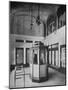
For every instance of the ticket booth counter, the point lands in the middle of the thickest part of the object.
(39, 62)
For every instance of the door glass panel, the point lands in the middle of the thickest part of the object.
(19, 56)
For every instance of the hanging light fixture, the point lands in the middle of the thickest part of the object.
(31, 18)
(38, 21)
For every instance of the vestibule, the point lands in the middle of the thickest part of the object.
(31, 23)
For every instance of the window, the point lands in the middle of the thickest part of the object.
(28, 41)
(19, 40)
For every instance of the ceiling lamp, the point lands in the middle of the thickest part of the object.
(31, 19)
(38, 21)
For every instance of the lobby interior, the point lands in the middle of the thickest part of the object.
(30, 24)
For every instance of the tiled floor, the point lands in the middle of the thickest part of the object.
(55, 78)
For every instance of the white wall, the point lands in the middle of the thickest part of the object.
(57, 36)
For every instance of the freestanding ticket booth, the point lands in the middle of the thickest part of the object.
(39, 62)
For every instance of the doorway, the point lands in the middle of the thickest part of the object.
(19, 56)
(19, 70)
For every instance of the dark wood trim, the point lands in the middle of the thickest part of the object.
(19, 41)
(62, 46)
(26, 56)
(29, 41)
(47, 56)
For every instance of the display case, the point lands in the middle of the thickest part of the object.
(39, 62)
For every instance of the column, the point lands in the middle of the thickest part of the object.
(38, 56)
(59, 53)
(24, 53)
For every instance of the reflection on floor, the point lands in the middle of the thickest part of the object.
(55, 78)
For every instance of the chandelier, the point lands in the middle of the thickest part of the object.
(31, 18)
(38, 21)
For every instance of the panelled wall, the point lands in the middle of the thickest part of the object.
(20, 48)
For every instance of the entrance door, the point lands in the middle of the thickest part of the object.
(19, 56)
(19, 71)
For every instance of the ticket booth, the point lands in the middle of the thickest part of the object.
(39, 62)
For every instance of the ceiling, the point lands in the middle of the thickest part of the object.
(22, 8)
